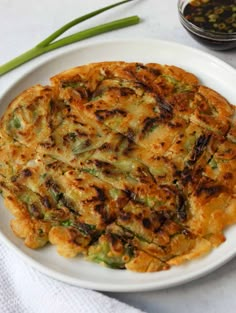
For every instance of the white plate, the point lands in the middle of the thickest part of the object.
(212, 72)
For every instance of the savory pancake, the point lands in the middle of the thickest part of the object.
(131, 165)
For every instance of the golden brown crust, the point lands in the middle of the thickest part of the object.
(27, 118)
(132, 165)
(212, 111)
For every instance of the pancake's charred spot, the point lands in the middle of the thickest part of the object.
(124, 91)
(79, 179)
(26, 172)
(157, 218)
(164, 215)
(98, 92)
(178, 142)
(10, 198)
(147, 223)
(101, 164)
(53, 104)
(208, 189)
(90, 106)
(199, 147)
(14, 178)
(49, 143)
(121, 201)
(149, 124)
(181, 208)
(146, 75)
(82, 91)
(181, 101)
(66, 202)
(144, 175)
(130, 194)
(116, 242)
(115, 89)
(113, 238)
(198, 172)
(101, 115)
(51, 184)
(3, 185)
(55, 165)
(228, 175)
(105, 167)
(154, 71)
(85, 229)
(116, 148)
(73, 117)
(130, 134)
(80, 123)
(130, 147)
(143, 86)
(45, 202)
(101, 196)
(59, 196)
(69, 137)
(89, 200)
(87, 143)
(35, 211)
(165, 108)
(74, 233)
(105, 146)
(140, 66)
(188, 175)
(125, 216)
(185, 175)
(47, 88)
(73, 135)
(169, 190)
(70, 173)
(38, 98)
(58, 215)
(23, 156)
(187, 233)
(139, 216)
(101, 210)
(76, 85)
(160, 232)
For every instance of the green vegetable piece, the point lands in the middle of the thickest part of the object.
(213, 164)
(49, 44)
(14, 123)
(111, 251)
(66, 223)
(72, 84)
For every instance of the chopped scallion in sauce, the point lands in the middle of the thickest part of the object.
(212, 15)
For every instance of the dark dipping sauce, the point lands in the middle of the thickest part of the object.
(216, 19)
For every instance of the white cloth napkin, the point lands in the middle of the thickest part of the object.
(25, 290)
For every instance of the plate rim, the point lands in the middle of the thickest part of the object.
(107, 286)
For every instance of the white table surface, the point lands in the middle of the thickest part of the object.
(23, 23)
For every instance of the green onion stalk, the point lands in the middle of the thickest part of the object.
(50, 44)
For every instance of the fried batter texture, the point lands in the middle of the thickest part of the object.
(131, 165)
